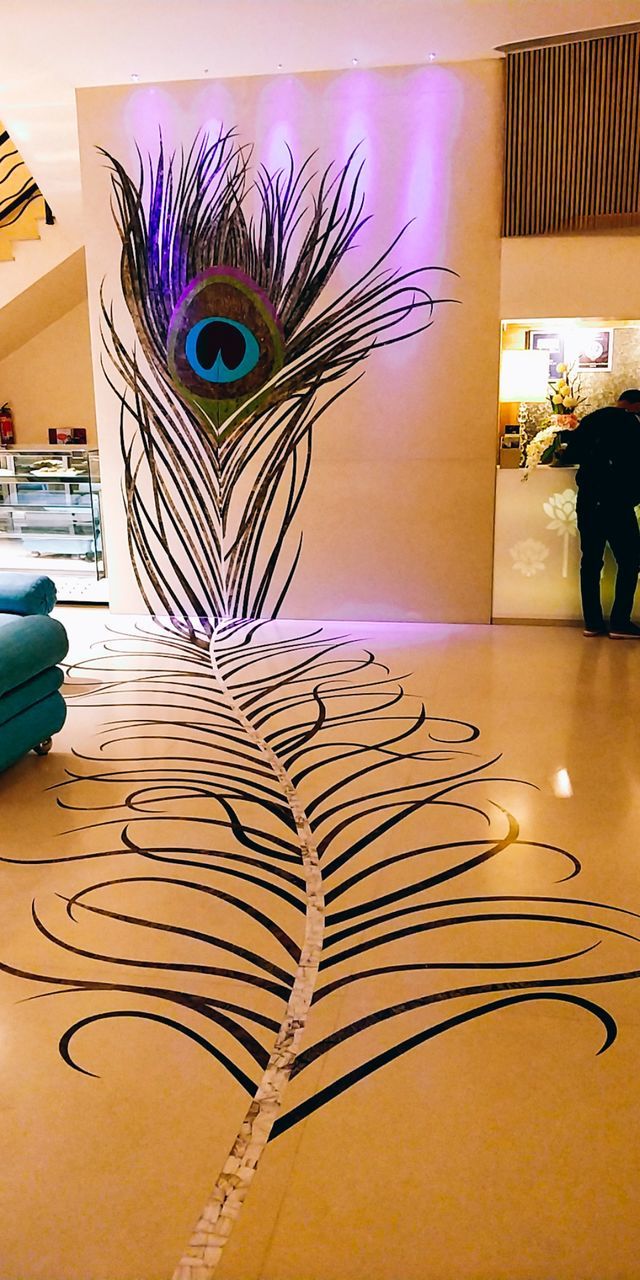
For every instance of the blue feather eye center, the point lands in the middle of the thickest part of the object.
(225, 344)
(220, 350)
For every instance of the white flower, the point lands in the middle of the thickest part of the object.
(529, 557)
(538, 445)
(561, 507)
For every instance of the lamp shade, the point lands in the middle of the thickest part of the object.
(524, 376)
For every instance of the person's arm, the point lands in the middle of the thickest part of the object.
(581, 442)
(574, 442)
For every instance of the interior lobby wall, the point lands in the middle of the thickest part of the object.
(590, 274)
(49, 380)
(397, 515)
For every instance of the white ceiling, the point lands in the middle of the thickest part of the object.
(51, 47)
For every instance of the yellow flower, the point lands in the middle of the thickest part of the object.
(562, 368)
(557, 399)
(564, 389)
(569, 402)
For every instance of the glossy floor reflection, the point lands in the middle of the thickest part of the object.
(450, 1112)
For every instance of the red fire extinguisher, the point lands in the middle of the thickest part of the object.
(7, 434)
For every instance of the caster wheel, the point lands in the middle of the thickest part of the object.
(43, 748)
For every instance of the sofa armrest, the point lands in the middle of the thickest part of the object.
(26, 593)
(27, 647)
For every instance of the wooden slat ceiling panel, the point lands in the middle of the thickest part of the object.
(572, 136)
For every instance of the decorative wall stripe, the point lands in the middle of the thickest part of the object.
(18, 191)
(572, 137)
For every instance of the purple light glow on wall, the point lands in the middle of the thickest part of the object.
(356, 96)
(427, 160)
(282, 103)
(147, 112)
(280, 142)
(216, 109)
(151, 110)
(429, 155)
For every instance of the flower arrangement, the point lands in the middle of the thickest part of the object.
(542, 449)
(564, 393)
(564, 397)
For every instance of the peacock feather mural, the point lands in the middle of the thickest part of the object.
(228, 279)
(332, 822)
(335, 827)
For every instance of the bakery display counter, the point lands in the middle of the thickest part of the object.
(50, 510)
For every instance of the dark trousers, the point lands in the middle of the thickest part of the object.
(600, 523)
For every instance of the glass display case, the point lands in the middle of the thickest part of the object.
(50, 508)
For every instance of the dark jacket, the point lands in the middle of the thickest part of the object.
(606, 447)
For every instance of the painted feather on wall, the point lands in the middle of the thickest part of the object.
(330, 822)
(229, 278)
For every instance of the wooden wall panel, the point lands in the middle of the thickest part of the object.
(572, 136)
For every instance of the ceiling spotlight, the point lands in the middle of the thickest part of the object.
(354, 62)
(206, 71)
(279, 66)
(431, 57)
(135, 75)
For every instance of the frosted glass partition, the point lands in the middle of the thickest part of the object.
(537, 548)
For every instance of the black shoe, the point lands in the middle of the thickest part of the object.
(595, 631)
(629, 632)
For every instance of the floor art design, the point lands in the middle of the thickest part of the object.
(269, 825)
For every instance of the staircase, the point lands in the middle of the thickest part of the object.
(22, 205)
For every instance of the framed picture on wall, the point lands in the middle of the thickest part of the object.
(547, 340)
(595, 349)
(67, 435)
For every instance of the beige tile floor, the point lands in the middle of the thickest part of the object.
(504, 1148)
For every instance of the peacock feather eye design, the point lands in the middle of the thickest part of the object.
(221, 350)
(224, 342)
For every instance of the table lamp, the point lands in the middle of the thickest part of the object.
(524, 377)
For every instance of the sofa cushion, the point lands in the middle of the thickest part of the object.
(26, 730)
(27, 647)
(32, 691)
(26, 593)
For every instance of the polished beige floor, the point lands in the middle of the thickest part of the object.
(503, 1148)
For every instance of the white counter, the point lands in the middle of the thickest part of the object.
(537, 549)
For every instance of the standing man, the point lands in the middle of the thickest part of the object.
(606, 447)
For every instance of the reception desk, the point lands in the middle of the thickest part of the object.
(537, 548)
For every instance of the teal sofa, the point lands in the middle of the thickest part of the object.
(32, 644)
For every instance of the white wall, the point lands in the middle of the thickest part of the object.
(398, 513)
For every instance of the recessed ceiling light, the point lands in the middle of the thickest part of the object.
(279, 66)
(432, 57)
(135, 75)
(354, 62)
